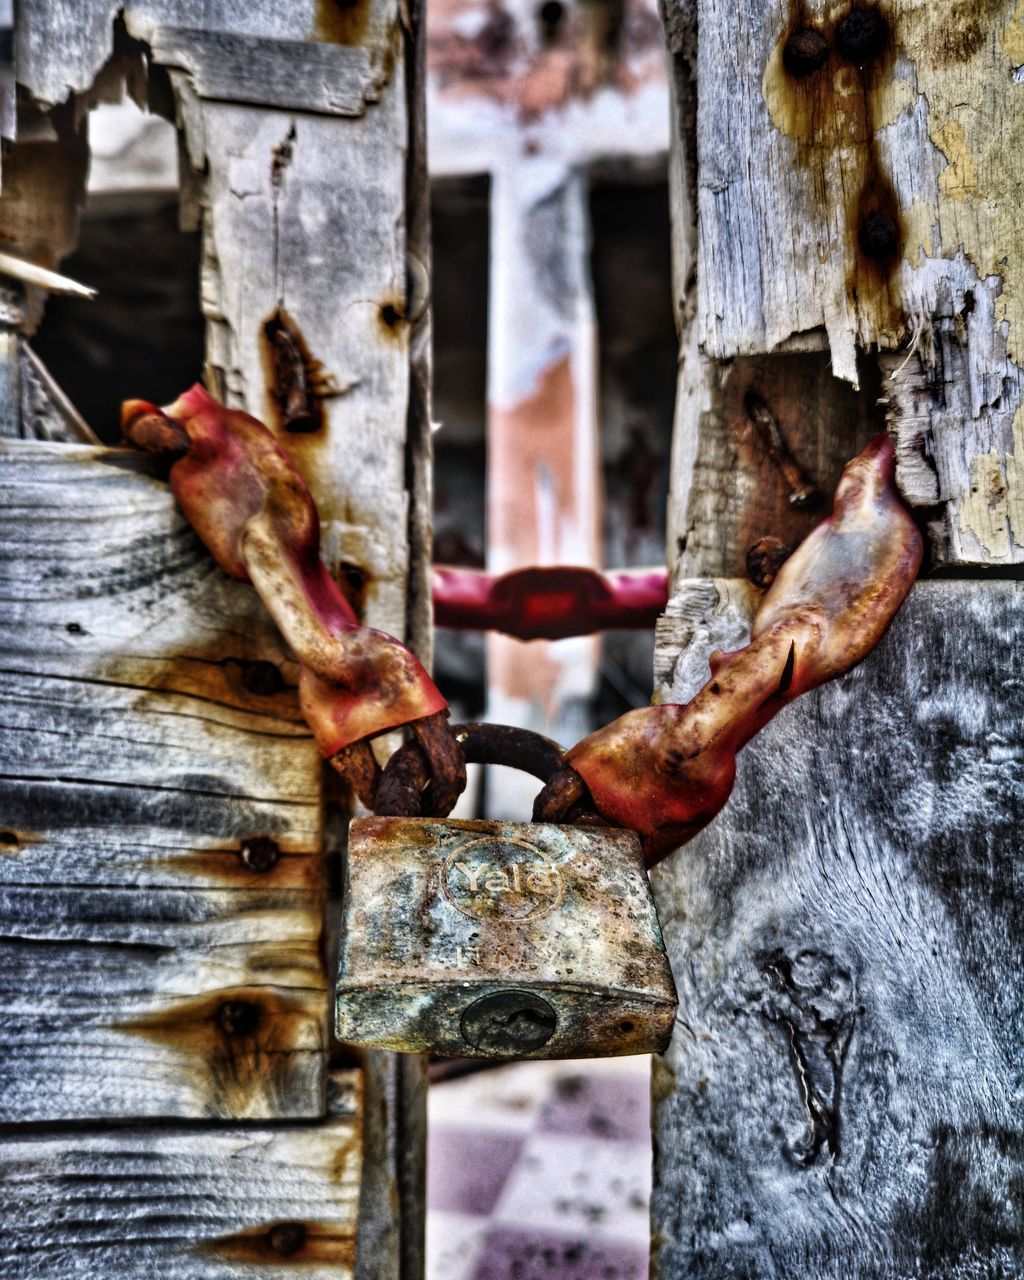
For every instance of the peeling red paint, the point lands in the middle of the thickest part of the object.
(666, 771)
(249, 505)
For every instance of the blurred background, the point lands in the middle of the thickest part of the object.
(554, 381)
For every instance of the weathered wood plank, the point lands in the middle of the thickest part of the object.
(287, 230)
(841, 1096)
(61, 45)
(872, 203)
(293, 74)
(151, 735)
(186, 1204)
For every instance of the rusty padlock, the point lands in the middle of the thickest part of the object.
(501, 939)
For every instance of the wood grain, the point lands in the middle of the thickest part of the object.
(146, 970)
(214, 1203)
(788, 172)
(841, 1096)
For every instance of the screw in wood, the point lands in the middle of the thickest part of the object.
(804, 52)
(238, 1017)
(861, 34)
(878, 236)
(259, 853)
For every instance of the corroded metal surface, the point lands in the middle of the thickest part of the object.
(500, 939)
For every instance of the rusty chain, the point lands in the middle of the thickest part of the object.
(662, 771)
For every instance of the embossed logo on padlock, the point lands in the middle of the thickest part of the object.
(500, 939)
(506, 879)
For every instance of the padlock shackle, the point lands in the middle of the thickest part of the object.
(401, 792)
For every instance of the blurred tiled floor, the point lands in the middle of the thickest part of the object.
(540, 1171)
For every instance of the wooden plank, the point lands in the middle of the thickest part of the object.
(956, 419)
(61, 45)
(186, 1204)
(840, 1099)
(324, 78)
(790, 172)
(151, 735)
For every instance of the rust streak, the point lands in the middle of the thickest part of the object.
(302, 1245)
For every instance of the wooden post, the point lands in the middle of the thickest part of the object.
(169, 821)
(543, 473)
(839, 1099)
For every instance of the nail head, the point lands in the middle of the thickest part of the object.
(238, 1017)
(861, 34)
(879, 236)
(804, 52)
(288, 1238)
(259, 853)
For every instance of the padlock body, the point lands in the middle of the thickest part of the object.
(500, 940)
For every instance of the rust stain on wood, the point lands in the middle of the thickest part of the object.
(11, 842)
(293, 376)
(341, 22)
(298, 869)
(212, 673)
(241, 1036)
(391, 319)
(301, 1245)
(833, 113)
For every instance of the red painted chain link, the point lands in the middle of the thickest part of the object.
(663, 771)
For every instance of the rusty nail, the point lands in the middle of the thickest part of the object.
(262, 678)
(155, 432)
(804, 52)
(764, 560)
(238, 1017)
(861, 35)
(297, 411)
(802, 492)
(287, 1237)
(878, 236)
(259, 853)
(509, 1022)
